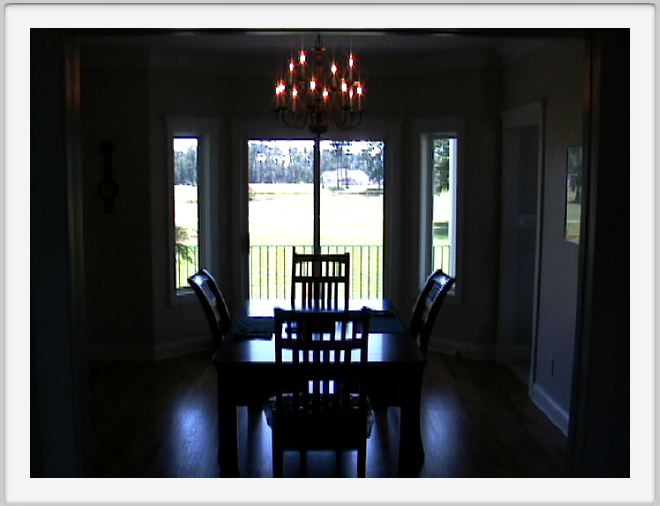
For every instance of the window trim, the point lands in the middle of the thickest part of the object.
(206, 132)
(426, 131)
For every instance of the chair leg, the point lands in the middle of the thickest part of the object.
(362, 460)
(338, 463)
(254, 414)
(278, 459)
(303, 462)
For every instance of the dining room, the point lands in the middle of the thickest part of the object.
(454, 162)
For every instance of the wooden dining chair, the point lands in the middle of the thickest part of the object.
(320, 280)
(218, 316)
(428, 303)
(213, 303)
(320, 404)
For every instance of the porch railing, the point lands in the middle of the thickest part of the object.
(186, 257)
(270, 268)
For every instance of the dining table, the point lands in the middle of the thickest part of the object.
(247, 374)
(256, 317)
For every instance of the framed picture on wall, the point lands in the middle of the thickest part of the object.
(573, 194)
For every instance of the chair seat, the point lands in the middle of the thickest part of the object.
(323, 413)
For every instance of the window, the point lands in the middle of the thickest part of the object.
(439, 216)
(281, 210)
(191, 152)
(443, 152)
(352, 207)
(186, 180)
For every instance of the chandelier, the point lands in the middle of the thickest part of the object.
(316, 90)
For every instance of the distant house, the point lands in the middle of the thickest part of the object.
(344, 177)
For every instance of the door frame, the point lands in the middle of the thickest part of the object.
(243, 130)
(530, 114)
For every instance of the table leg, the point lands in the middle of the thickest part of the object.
(227, 431)
(411, 448)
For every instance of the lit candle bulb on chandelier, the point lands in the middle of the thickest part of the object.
(291, 69)
(302, 59)
(333, 71)
(350, 98)
(360, 95)
(279, 94)
(350, 66)
(325, 94)
(294, 99)
(312, 85)
(344, 90)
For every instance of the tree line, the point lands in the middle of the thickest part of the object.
(270, 164)
(185, 167)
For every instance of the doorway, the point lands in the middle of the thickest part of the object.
(281, 211)
(520, 233)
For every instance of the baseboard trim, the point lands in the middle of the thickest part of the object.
(468, 350)
(120, 352)
(552, 410)
(183, 346)
(142, 353)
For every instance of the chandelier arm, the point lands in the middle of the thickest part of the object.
(340, 118)
(289, 119)
(348, 120)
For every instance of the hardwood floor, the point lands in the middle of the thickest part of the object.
(159, 420)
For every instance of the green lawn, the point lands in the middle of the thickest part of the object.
(282, 215)
(573, 221)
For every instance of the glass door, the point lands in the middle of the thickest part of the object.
(281, 210)
(352, 181)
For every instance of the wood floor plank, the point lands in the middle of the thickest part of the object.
(160, 420)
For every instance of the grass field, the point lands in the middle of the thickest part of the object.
(289, 219)
(282, 215)
(346, 218)
(573, 221)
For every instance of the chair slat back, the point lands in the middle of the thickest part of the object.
(213, 303)
(427, 305)
(320, 280)
(324, 347)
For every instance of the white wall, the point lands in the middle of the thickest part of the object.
(117, 246)
(553, 75)
(180, 325)
(470, 96)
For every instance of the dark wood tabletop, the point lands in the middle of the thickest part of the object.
(263, 308)
(382, 349)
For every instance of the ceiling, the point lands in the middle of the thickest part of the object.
(382, 49)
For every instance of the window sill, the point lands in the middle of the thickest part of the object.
(183, 297)
(454, 298)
